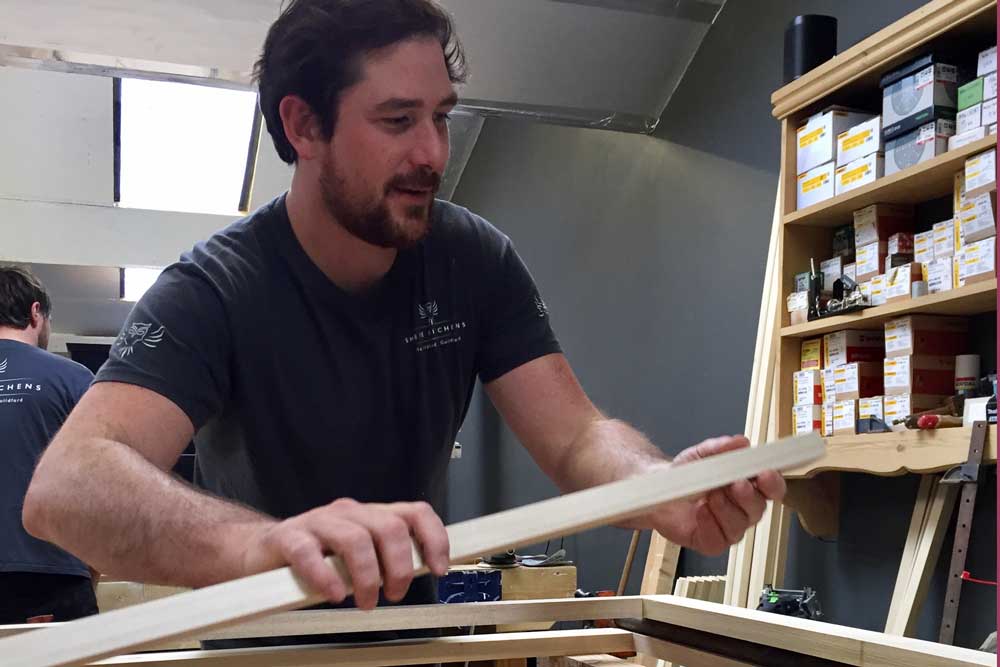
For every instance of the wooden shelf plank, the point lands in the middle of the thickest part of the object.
(897, 453)
(920, 183)
(972, 299)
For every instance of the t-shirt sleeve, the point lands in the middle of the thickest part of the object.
(176, 342)
(516, 320)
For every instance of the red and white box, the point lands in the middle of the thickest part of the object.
(859, 379)
(848, 346)
(808, 418)
(808, 387)
(919, 374)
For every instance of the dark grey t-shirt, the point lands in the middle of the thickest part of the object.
(302, 393)
(38, 390)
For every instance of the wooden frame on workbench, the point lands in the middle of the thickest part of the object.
(737, 631)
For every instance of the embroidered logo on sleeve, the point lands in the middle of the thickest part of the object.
(139, 333)
(540, 306)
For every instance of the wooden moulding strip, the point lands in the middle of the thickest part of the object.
(416, 617)
(872, 53)
(95, 637)
(850, 646)
(402, 652)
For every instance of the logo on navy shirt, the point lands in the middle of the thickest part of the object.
(14, 390)
(436, 332)
(540, 306)
(3, 366)
(139, 333)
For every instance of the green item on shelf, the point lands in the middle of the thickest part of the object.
(970, 94)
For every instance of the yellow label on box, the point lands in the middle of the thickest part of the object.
(815, 182)
(856, 140)
(811, 137)
(854, 175)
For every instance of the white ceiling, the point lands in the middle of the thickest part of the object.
(568, 58)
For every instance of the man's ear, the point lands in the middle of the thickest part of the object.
(37, 316)
(302, 127)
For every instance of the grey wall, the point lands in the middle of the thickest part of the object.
(650, 253)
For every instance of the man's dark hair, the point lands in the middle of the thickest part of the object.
(19, 289)
(314, 50)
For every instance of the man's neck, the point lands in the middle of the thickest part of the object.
(20, 335)
(350, 263)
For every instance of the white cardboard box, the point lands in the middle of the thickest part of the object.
(808, 418)
(832, 269)
(829, 385)
(990, 86)
(870, 260)
(860, 141)
(902, 406)
(860, 172)
(944, 238)
(940, 275)
(899, 281)
(850, 345)
(923, 247)
(851, 271)
(922, 144)
(879, 286)
(816, 141)
(827, 412)
(815, 185)
(969, 119)
(989, 116)
(966, 138)
(870, 407)
(808, 387)
(845, 418)
(980, 173)
(987, 61)
(976, 261)
(978, 219)
(878, 222)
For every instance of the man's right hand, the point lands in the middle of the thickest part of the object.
(373, 540)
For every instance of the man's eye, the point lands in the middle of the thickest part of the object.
(398, 121)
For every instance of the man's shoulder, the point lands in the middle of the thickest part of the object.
(51, 362)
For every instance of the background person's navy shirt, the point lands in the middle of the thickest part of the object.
(38, 390)
(302, 393)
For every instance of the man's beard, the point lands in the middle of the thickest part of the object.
(371, 220)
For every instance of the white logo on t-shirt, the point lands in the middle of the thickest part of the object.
(139, 332)
(435, 332)
(3, 366)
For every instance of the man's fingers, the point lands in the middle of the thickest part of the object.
(714, 446)
(771, 485)
(430, 534)
(391, 535)
(747, 498)
(710, 540)
(304, 554)
(353, 543)
(732, 520)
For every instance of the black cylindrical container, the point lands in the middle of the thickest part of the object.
(810, 40)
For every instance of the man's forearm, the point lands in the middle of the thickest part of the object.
(607, 450)
(125, 517)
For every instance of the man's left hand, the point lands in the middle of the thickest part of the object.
(712, 522)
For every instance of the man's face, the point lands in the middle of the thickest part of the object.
(390, 145)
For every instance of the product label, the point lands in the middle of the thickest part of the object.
(815, 182)
(899, 281)
(807, 418)
(811, 137)
(853, 141)
(980, 170)
(987, 61)
(798, 301)
(870, 407)
(867, 259)
(898, 335)
(940, 275)
(856, 174)
(927, 133)
(944, 239)
(845, 378)
(896, 407)
(976, 216)
(924, 78)
(990, 87)
(879, 295)
(989, 115)
(844, 416)
(897, 372)
(976, 258)
(811, 354)
(829, 385)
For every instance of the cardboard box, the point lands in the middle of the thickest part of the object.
(831, 269)
(978, 218)
(861, 172)
(798, 307)
(923, 247)
(816, 141)
(916, 374)
(992, 129)
(814, 186)
(990, 86)
(860, 379)
(827, 412)
(944, 238)
(970, 94)
(829, 385)
(900, 281)
(871, 260)
(918, 145)
(802, 282)
(808, 387)
(843, 242)
(811, 356)
(901, 243)
(926, 335)
(850, 345)
(870, 407)
(845, 418)
(866, 290)
(916, 94)
(879, 286)
(903, 405)
(851, 271)
(969, 119)
(966, 138)
(860, 141)
(880, 221)
(807, 418)
(940, 275)
(980, 173)
(989, 116)
(987, 61)
(977, 262)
